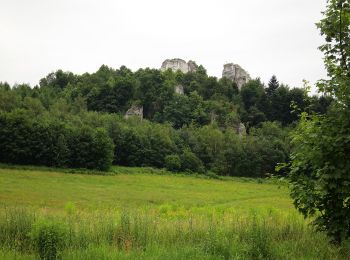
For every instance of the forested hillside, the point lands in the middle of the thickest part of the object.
(74, 120)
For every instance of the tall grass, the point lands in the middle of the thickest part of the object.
(171, 234)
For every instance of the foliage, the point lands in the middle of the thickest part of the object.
(91, 149)
(143, 144)
(320, 172)
(190, 162)
(320, 164)
(52, 143)
(72, 120)
(49, 238)
(272, 86)
(173, 162)
(336, 31)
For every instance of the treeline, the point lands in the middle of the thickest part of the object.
(95, 140)
(52, 143)
(205, 98)
(78, 121)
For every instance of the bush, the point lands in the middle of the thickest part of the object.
(49, 238)
(190, 162)
(173, 163)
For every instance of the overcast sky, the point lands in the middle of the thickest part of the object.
(265, 37)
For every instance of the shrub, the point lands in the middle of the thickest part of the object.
(48, 238)
(173, 163)
(190, 162)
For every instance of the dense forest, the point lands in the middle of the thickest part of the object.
(74, 120)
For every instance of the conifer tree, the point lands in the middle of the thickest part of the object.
(272, 86)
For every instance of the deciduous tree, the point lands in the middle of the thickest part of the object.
(320, 168)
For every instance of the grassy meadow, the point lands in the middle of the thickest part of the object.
(134, 213)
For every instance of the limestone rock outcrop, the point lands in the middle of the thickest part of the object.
(179, 64)
(241, 130)
(231, 71)
(179, 89)
(136, 111)
(236, 73)
(192, 66)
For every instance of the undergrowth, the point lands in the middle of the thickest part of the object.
(162, 233)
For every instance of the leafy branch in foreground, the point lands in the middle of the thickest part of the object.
(320, 165)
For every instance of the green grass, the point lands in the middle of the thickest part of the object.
(53, 190)
(153, 215)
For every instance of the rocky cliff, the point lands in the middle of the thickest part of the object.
(231, 71)
(134, 111)
(236, 74)
(179, 64)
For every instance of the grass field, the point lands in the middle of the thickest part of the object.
(152, 215)
(53, 190)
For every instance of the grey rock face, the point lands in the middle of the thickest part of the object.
(179, 64)
(134, 110)
(192, 66)
(213, 116)
(241, 130)
(236, 74)
(179, 89)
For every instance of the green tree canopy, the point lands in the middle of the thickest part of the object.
(320, 167)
